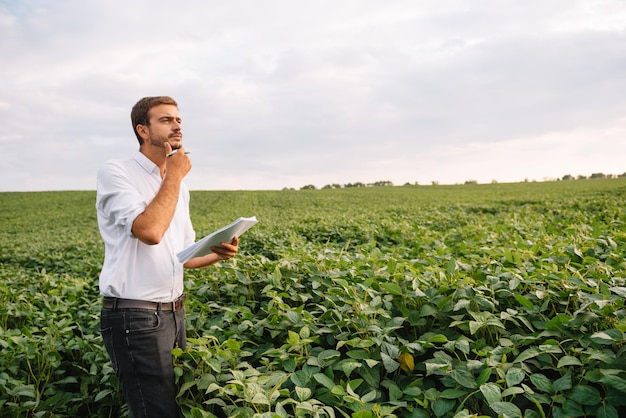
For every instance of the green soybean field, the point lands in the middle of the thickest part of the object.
(495, 300)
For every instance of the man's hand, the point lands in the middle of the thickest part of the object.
(225, 250)
(177, 165)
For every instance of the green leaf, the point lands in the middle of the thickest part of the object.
(214, 364)
(358, 354)
(615, 382)
(453, 394)
(338, 390)
(347, 366)
(371, 363)
(369, 397)
(293, 338)
(442, 406)
(585, 395)
(607, 411)
(102, 394)
(474, 326)
(303, 393)
(507, 409)
(299, 378)
(558, 321)
(464, 378)
(260, 398)
(603, 355)
(491, 392)
(451, 267)
(395, 393)
(572, 409)
(390, 364)
(527, 354)
(186, 386)
(542, 383)
(354, 384)
(392, 288)
(608, 337)
(563, 383)
(305, 332)
(212, 388)
(324, 380)
(438, 339)
(418, 413)
(484, 376)
(328, 356)
(619, 290)
(24, 390)
(463, 346)
(280, 411)
(205, 380)
(429, 310)
(568, 361)
(525, 302)
(289, 365)
(514, 376)
(515, 390)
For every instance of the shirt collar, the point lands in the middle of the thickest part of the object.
(146, 163)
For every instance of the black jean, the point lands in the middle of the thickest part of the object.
(140, 343)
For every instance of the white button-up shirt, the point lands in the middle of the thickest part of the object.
(132, 269)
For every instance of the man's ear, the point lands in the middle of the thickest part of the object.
(142, 130)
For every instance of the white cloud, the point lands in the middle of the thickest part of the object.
(317, 92)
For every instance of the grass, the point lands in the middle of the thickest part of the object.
(414, 301)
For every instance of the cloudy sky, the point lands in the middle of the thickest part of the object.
(277, 93)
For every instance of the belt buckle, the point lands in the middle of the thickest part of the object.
(108, 300)
(178, 303)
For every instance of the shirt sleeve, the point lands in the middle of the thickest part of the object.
(118, 200)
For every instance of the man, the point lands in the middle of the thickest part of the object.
(143, 214)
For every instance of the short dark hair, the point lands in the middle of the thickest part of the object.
(139, 114)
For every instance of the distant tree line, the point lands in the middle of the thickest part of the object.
(387, 183)
(382, 183)
(594, 176)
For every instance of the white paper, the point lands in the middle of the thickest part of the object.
(225, 234)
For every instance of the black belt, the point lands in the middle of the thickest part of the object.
(117, 303)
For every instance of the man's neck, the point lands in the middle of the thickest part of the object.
(156, 155)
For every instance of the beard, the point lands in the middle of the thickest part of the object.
(174, 139)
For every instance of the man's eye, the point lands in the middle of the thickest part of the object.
(170, 120)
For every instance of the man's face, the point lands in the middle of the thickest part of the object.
(165, 126)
